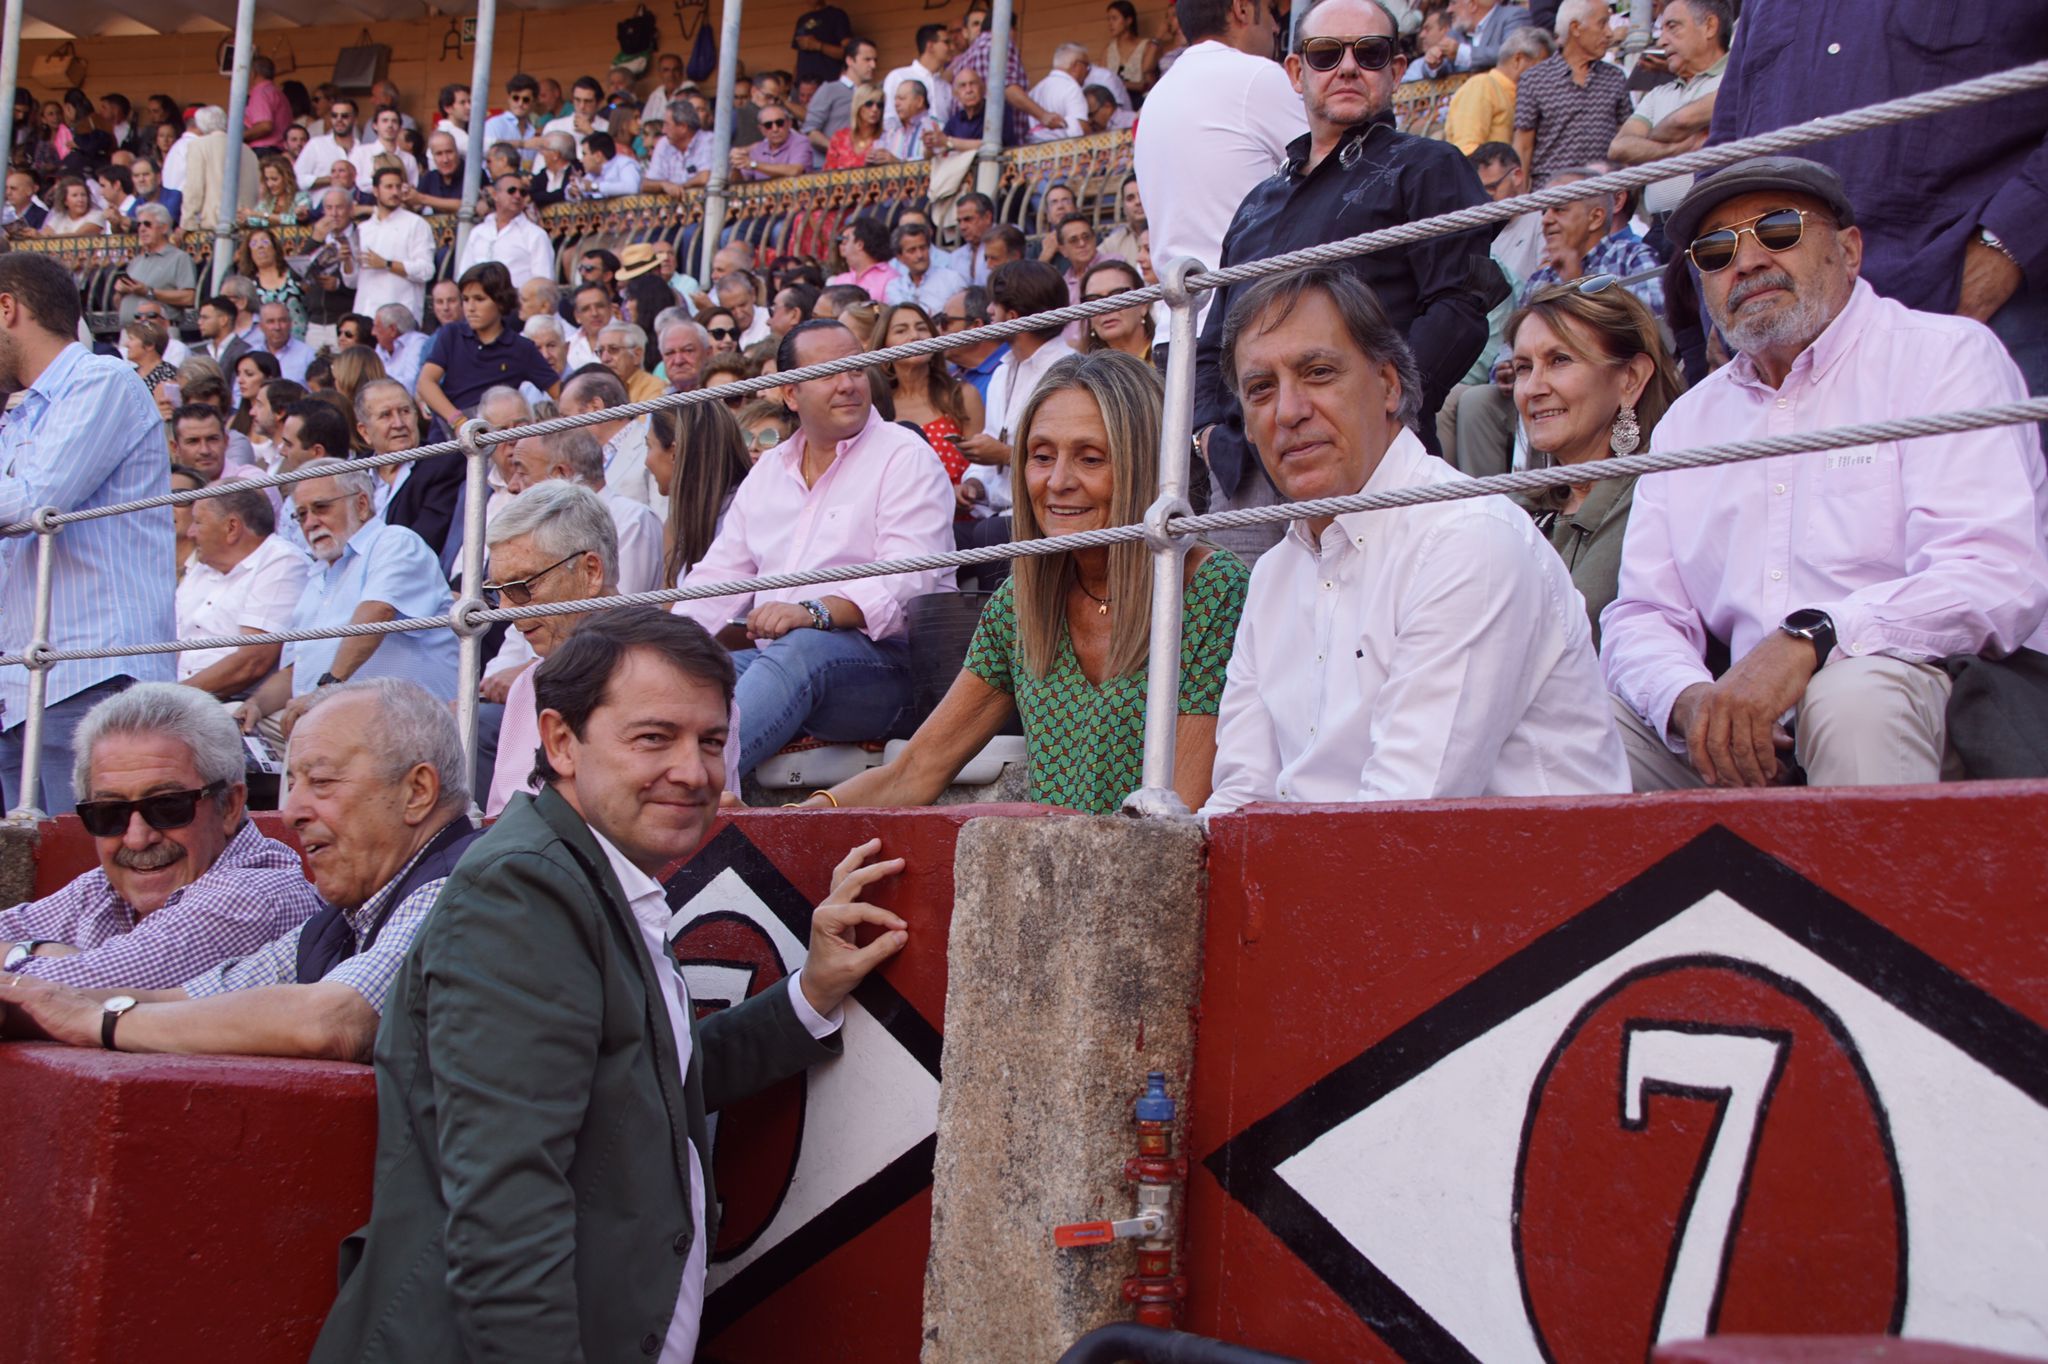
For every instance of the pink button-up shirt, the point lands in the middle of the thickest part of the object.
(1916, 549)
(884, 496)
(876, 279)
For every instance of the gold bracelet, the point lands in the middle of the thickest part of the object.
(828, 796)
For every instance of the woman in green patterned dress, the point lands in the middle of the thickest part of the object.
(1062, 644)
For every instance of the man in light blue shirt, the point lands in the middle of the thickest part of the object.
(85, 435)
(365, 571)
(517, 124)
(610, 173)
(920, 277)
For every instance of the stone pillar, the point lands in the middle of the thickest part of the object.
(17, 862)
(1074, 963)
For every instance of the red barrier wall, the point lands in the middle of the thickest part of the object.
(1551, 1080)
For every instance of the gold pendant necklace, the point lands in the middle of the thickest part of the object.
(1101, 603)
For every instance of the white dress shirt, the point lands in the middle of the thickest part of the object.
(625, 468)
(1059, 93)
(260, 593)
(173, 173)
(318, 156)
(402, 361)
(938, 95)
(403, 238)
(619, 178)
(649, 906)
(1228, 112)
(567, 124)
(639, 532)
(364, 159)
(1009, 391)
(1437, 651)
(1915, 550)
(521, 246)
(581, 351)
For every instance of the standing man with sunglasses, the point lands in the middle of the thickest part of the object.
(85, 433)
(1353, 172)
(1840, 582)
(510, 237)
(184, 880)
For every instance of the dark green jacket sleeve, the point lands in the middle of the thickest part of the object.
(744, 1049)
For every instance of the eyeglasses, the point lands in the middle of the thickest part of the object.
(520, 593)
(302, 514)
(1776, 231)
(1372, 52)
(518, 190)
(767, 438)
(722, 333)
(164, 810)
(1491, 185)
(774, 122)
(1107, 293)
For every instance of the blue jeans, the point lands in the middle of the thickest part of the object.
(2023, 325)
(59, 721)
(837, 685)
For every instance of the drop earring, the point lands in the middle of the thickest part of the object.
(1625, 435)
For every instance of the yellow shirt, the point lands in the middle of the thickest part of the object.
(1483, 110)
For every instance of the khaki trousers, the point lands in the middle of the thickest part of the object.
(1870, 721)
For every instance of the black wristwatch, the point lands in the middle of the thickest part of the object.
(1815, 628)
(110, 1014)
(327, 680)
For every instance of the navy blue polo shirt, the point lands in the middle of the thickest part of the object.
(469, 367)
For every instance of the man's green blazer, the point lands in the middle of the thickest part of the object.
(532, 1200)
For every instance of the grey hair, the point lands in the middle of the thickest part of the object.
(178, 712)
(579, 452)
(561, 144)
(1067, 52)
(251, 506)
(634, 336)
(155, 213)
(211, 118)
(547, 290)
(399, 316)
(501, 393)
(1528, 41)
(734, 280)
(240, 288)
(563, 518)
(682, 111)
(352, 479)
(369, 389)
(412, 728)
(543, 322)
(668, 317)
(688, 324)
(1577, 12)
(602, 385)
(1360, 309)
(332, 190)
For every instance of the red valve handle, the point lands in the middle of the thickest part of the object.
(1083, 1234)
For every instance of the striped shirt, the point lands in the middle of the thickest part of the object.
(1573, 123)
(86, 434)
(368, 973)
(255, 890)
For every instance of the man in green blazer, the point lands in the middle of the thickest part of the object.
(543, 1188)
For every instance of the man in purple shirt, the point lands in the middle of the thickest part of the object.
(780, 152)
(185, 880)
(1838, 581)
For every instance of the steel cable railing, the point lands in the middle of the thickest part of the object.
(1167, 523)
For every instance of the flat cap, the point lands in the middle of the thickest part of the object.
(1793, 174)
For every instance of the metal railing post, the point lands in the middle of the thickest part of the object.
(479, 104)
(721, 139)
(10, 76)
(27, 810)
(231, 169)
(469, 632)
(1155, 795)
(988, 170)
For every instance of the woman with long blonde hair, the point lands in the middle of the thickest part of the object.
(1062, 644)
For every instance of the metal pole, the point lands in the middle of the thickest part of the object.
(988, 170)
(479, 102)
(1156, 795)
(10, 78)
(721, 137)
(469, 634)
(231, 169)
(27, 809)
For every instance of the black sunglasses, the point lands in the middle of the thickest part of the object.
(1372, 52)
(1778, 230)
(722, 333)
(773, 122)
(520, 591)
(165, 810)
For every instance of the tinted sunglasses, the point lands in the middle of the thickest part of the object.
(722, 333)
(773, 122)
(1776, 231)
(520, 591)
(165, 810)
(1372, 52)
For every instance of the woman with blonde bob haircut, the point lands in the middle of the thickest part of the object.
(1063, 643)
(1592, 379)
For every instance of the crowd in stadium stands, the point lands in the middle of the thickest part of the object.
(1818, 618)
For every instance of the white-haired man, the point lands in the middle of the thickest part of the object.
(184, 879)
(684, 346)
(243, 579)
(158, 271)
(364, 571)
(206, 173)
(621, 348)
(1061, 92)
(576, 457)
(624, 438)
(400, 343)
(378, 802)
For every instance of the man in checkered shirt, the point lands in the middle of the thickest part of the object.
(379, 805)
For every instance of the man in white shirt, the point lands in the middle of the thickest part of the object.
(582, 119)
(608, 172)
(338, 143)
(1433, 652)
(509, 237)
(1017, 289)
(243, 580)
(274, 324)
(1224, 106)
(400, 343)
(174, 159)
(656, 109)
(395, 251)
(384, 127)
(578, 457)
(682, 160)
(622, 440)
(736, 295)
(592, 307)
(453, 108)
(934, 50)
(1060, 93)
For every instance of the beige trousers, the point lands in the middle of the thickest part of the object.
(1870, 721)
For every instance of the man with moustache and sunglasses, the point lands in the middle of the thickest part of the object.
(1353, 172)
(1848, 586)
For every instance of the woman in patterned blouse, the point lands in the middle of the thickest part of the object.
(1062, 644)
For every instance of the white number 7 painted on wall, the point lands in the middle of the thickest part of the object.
(1736, 1069)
